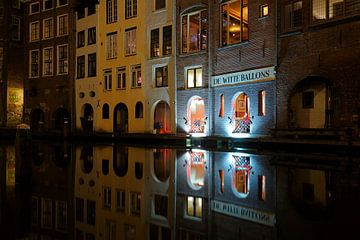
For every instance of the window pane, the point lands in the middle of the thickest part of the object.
(167, 40)
(234, 22)
(198, 77)
(190, 206)
(184, 34)
(318, 9)
(190, 78)
(194, 30)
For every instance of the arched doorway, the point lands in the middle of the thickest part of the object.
(311, 104)
(37, 119)
(162, 118)
(196, 115)
(241, 114)
(61, 117)
(87, 120)
(121, 118)
(241, 176)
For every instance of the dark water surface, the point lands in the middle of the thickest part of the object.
(62, 190)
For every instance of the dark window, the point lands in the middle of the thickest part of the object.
(308, 99)
(34, 8)
(138, 170)
(292, 16)
(105, 111)
(154, 43)
(91, 35)
(92, 65)
(48, 4)
(63, 2)
(161, 76)
(139, 110)
(81, 39)
(160, 4)
(308, 191)
(91, 207)
(79, 209)
(161, 205)
(81, 67)
(167, 40)
(91, 9)
(81, 13)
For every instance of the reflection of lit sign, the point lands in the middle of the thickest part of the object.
(242, 162)
(197, 157)
(243, 212)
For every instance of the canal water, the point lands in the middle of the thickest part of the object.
(85, 191)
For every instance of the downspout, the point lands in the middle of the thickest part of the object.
(209, 44)
(276, 62)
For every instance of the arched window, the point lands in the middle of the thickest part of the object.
(105, 111)
(139, 110)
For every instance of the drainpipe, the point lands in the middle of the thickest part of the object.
(276, 61)
(210, 100)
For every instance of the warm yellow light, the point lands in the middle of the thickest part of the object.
(264, 10)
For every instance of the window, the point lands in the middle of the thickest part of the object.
(139, 110)
(91, 35)
(194, 206)
(62, 25)
(120, 200)
(46, 213)
(121, 78)
(160, 232)
(48, 28)
(34, 8)
(81, 66)
(15, 31)
(81, 39)
(108, 79)
(261, 187)
(92, 65)
(61, 216)
(135, 203)
(222, 106)
(48, 4)
(34, 63)
(222, 180)
(308, 100)
(62, 59)
(16, 4)
(107, 197)
(194, 77)
(160, 4)
(79, 211)
(111, 11)
(161, 76)
(136, 76)
(105, 112)
(62, 2)
(110, 230)
(130, 8)
(292, 16)
(34, 31)
(91, 9)
(234, 22)
(80, 13)
(90, 213)
(130, 41)
(48, 61)
(264, 10)
(261, 103)
(167, 40)
(194, 32)
(139, 167)
(154, 43)
(161, 205)
(323, 10)
(111, 45)
(34, 211)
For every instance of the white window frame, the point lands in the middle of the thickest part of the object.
(31, 63)
(120, 81)
(108, 79)
(131, 8)
(36, 33)
(187, 77)
(30, 8)
(111, 11)
(135, 70)
(111, 45)
(44, 3)
(58, 3)
(64, 60)
(51, 30)
(130, 41)
(65, 26)
(49, 61)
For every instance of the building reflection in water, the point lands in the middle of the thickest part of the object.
(115, 191)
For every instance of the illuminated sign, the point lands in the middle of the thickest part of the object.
(256, 75)
(244, 213)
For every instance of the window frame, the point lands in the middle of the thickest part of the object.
(49, 61)
(107, 79)
(121, 83)
(92, 67)
(136, 69)
(44, 5)
(80, 74)
(111, 45)
(135, 206)
(50, 31)
(161, 68)
(160, 7)
(31, 10)
(31, 63)
(66, 60)
(111, 11)
(106, 198)
(64, 26)
(81, 40)
(37, 33)
(292, 27)
(62, 5)
(91, 34)
(130, 41)
(120, 200)
(130, 10)
(187, 69)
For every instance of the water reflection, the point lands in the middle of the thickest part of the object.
(114, 191)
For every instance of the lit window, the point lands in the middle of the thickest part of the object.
(34, 8)
(34, 31)
(234, 22)
(62, 59)
(292, 18)
(222, 180)
(62, 25)
(194, 77)
(111, 11)
(222, 106)
(108, 79)
(161, 76)
(264, 10)
(135, 203)
(48, 26)
(111, 45)
(160, 4)
(34, 63)
(120, 200)
(241, 176)
(80, 67)
(48, 61)
(121, 78)
(261, 103)
(261, 187)
(194, 206)
(48, 4)
(136, 76)
(130, 8)
(92, 65)
(194, 32)
(81, 39)
(107, 197)
(130, 41)
(139, 110)
(323, 10)
(91, 35)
